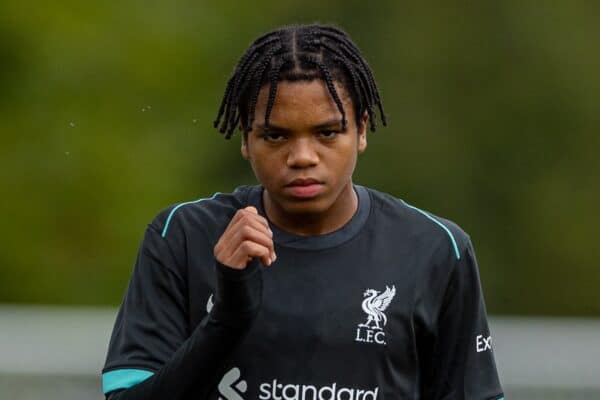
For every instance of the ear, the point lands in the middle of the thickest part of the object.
(244, 148)
(362, 133)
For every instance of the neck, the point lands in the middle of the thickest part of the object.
(318, 223)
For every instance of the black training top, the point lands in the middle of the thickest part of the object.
(387, 307)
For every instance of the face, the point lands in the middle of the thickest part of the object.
(305, 161)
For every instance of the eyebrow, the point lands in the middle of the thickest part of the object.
(332, 123)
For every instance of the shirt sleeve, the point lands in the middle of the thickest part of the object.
(462, 364)
(153, 353)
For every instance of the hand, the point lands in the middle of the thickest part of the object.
(247, 236)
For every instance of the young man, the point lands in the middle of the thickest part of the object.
(306, 286)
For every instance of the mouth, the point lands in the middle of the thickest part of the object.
(304, 188)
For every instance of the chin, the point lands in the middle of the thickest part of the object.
(305, 206)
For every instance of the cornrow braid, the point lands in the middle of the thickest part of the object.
(258, 79)
(293, 53)
(273, 76)
(360, 83)
(239, 75)
(329, 81)
(352, 52)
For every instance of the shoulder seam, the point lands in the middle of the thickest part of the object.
(168, 221)
(454, 245)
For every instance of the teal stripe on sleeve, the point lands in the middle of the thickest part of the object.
(440, 224)
(123, 378)
(164, 232)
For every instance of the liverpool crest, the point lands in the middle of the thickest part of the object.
(374, 304)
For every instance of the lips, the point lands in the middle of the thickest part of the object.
(303, 182)
(304, 188)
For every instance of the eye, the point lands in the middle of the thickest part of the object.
(273, 137)
(329, 134)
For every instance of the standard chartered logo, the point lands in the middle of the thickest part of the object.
(279, 391)
(232, 387)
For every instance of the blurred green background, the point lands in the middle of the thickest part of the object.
(106, 113)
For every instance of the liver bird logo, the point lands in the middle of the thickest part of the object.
(374, 305)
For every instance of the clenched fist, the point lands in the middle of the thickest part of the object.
(247, 236)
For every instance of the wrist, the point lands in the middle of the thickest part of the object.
(238, 293)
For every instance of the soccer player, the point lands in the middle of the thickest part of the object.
(306, 286)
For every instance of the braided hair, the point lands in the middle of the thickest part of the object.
(293, 53)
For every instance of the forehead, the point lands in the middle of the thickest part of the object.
(300, 103)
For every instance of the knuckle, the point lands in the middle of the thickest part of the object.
(244, 217)
(246, 246)
(246, 230)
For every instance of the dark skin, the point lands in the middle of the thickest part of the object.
(305, 163)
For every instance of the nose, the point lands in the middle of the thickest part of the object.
(302, 154)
